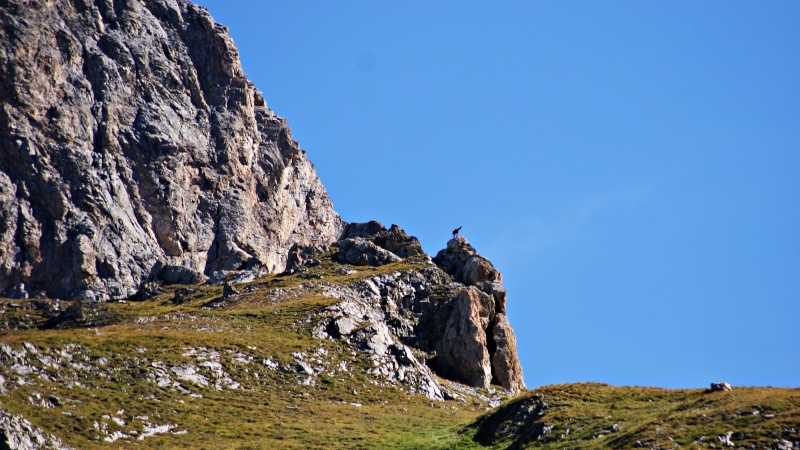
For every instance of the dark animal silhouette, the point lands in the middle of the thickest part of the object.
(455, 232)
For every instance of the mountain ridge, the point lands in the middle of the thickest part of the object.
(177, 276)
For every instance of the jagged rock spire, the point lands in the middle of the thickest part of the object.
(478, 333)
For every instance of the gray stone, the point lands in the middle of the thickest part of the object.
(172, 274)
(17, 433)
(74, 311)
(395, 241)
(726, 439)
(304, 256)
(361, 252)
(346, 325)
(148, 290)
(130, 140)
(721, 386)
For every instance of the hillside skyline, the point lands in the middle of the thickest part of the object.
(630, 169)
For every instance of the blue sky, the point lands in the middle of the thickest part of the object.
(632, 168)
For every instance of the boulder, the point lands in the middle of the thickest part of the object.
(460, 260)
(173, 274)
(361, 252)
(725, 439)
(304, 256)
(393, 240)
(721, 386)
(398, 242)
(147, 290)
(17, 292)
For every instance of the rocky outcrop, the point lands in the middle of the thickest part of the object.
(721, 386)
(362, 252)
(460, 324)
(394, 240)
(17, 433)
(463, 262)
(371, 244)
(133, 148)
(488, 321)
(461, 345)
(388, 317)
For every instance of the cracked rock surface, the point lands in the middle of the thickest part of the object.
(133, 148)
(453, 310)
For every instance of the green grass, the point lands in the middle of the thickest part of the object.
(683, 418)
(272, 410)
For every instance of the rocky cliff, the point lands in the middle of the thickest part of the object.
(137, 163)
(459, 320)
(133, 148)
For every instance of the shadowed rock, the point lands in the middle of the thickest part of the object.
(361, 252)
(371, 244)
(462, 349)
(18, 433)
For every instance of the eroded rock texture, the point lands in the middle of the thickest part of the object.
(481, 318)
(132, 147)
(453, 310)
(18, 433)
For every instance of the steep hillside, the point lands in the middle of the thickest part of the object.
(276, 362)
(602, 416)
(207, 367)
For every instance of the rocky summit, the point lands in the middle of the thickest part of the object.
(134, 149)
(169, 257)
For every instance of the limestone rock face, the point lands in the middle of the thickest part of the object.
(453, 310)
(132, 146)
(462, 348)
(507, 369)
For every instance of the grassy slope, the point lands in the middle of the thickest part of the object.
(275, 411)
(660, 418)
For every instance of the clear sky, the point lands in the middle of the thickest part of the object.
(632, 168)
